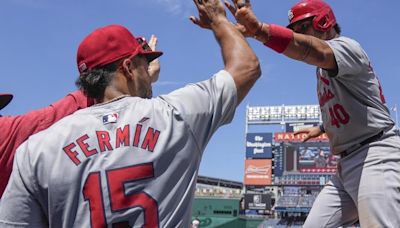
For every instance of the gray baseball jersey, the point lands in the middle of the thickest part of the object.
(132, 162)
(352, 104)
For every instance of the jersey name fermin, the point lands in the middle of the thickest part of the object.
(122, 138)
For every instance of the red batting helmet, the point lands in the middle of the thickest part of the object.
(322, 13)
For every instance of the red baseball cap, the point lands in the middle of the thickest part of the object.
(5, 98)
(109, 44)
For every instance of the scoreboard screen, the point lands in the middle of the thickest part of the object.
(315, 159)
(312, 157)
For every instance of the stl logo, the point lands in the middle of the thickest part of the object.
(82, 67)
(290, 15)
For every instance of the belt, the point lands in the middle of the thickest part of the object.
(366, 141)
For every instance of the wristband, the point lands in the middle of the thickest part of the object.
(321, 128)
(278, 38)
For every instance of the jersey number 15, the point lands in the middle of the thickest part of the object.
(119, 201)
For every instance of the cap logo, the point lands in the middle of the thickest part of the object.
(290, 15)
(82, 67)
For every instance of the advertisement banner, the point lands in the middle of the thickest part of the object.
(257, 201)
(290, 137)
(258, 172)
(292, 127)
(259, 145)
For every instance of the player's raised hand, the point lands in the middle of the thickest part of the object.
(154, 66)
(210, 11)
(311, 132)
(247, 22)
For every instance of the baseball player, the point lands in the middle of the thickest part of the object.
(16, 129)
(354, 114)
(131, 160)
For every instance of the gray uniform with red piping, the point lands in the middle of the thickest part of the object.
(360, 129)
(132, 162)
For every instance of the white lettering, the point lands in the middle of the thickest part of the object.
(258, 138)
(258, 151)
(258, 144)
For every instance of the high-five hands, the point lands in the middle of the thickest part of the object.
(210, 11)
(247, 22)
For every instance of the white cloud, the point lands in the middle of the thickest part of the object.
(177, 7)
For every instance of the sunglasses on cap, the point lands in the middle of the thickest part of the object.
(142, 41)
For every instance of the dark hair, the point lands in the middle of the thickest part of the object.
(94, 82)
(337, 28)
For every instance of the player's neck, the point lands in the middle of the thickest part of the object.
(331, 34)
(110, 94)
(117, 87)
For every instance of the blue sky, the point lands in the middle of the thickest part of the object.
(39, 39)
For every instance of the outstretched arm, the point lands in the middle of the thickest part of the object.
(311, 132)
(234, 46)
(306, 48)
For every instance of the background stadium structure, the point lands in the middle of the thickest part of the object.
(282, 175)
(280, 165)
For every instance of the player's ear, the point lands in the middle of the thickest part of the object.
(128, 67)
